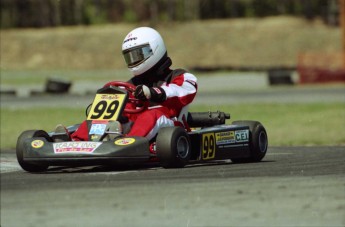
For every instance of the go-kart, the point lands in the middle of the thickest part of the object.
(198, 137)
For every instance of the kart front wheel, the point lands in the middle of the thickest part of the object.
(257, 139)
(20, 150)
(173, 147)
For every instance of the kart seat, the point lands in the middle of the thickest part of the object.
(183, 114)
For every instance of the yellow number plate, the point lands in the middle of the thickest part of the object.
(106, 107)
(208, 146)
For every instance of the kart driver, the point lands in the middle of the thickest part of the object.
(167, 90)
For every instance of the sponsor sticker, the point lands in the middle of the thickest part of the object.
(157, 90)
(242, 135)
(97, 129)
(109, 97)
(37, 143)
(124, 141)
(76, 147)
(231, 137)
(225, 137)
(95, 137)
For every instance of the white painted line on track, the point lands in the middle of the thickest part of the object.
(278, 154)
(110, 172)
(8, 163)
(8, 166)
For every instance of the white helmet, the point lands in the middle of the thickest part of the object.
(142, 49)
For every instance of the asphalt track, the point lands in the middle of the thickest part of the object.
(216, 90)
(292, 186)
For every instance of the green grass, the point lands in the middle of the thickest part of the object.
(295, 124)
(14, 121)
(286, 125)
(35, 77)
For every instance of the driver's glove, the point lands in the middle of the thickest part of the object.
(144, 93)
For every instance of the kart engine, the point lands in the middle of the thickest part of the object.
(206, 119)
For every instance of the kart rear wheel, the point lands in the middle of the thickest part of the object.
(173, 147)
(20, 150)
(257, 139)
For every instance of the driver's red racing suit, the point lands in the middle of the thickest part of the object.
(180, 88)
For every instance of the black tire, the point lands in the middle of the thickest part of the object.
(258, 141)
(173, 147)
(20, 149)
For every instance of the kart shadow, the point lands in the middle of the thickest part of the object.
(224, 162)
(100, 168)
(139, 167)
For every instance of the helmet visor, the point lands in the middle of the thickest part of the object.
(135, 56)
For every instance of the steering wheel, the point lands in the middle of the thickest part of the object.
(140, 105)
